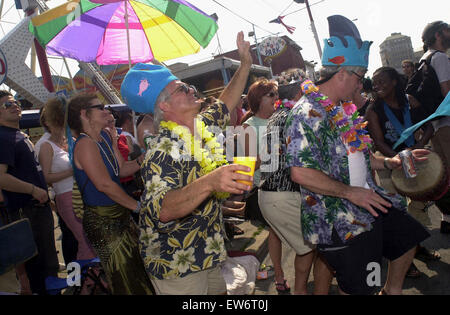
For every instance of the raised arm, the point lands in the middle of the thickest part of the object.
(231, 95)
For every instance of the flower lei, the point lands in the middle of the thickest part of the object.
(210, 157)
(284, 104)
(350, 125)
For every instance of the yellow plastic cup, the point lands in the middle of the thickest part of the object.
(246, 161)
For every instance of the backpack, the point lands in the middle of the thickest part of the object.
(425, 87)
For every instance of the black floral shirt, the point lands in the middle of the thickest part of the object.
(189, 244)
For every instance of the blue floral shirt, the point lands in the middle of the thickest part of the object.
(190, 244)
(314, 142)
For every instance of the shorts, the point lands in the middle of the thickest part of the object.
(393, 234)
(282, 210)
(206, 282)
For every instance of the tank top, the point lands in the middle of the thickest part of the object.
(60, 163)
(390, 134)
(91, 196)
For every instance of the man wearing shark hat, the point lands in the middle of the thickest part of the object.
(353, 222)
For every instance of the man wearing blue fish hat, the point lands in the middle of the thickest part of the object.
(186, 178)
(352, 221)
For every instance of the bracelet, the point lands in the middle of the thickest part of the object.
(386, 166)
(32, 190)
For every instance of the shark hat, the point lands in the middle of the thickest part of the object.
(345, 46)
(143, 84)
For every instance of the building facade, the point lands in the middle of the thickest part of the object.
(395, 49)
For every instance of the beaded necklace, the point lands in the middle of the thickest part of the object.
(347, 121)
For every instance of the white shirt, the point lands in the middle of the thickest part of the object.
(38, 144)
(358, 169)
(441, 65)
(60, 163)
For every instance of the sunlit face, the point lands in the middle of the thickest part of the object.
(97, 114)
(183, 97)
(10, 110)
(268, 100)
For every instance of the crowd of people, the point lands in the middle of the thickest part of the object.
(154, 201)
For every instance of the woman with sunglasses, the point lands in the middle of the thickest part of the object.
(388, 116)
(107, 216)
(54, 160)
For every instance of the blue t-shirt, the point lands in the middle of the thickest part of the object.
(91, 196)
(17, 152)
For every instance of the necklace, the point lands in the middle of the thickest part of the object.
(115, 165)
(210, 157)
(351, 126)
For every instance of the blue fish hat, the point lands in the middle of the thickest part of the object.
(143, 84)
(345, 47)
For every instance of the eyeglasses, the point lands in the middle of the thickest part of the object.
(8, 105)
(97, 106)
(186, 89)
(272, 94)
(360, 77)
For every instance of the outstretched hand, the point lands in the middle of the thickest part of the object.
(419, 155)
(244, 49)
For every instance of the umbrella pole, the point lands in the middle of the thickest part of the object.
(129, 61)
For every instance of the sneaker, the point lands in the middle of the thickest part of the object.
(445, 227)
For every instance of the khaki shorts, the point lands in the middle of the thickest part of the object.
(282, 211)
(206, 282)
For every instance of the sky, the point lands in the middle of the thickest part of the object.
(375, 19)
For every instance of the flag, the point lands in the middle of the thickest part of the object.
(279, 20)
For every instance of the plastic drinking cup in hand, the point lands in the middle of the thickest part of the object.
(246, 161)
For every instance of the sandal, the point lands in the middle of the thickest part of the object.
(283, 288)
(413, 272)
(425, 254)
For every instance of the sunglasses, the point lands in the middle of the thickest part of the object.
(272, 94)
(97, 106)
(360, 77)
(185, 88)
(8, 105)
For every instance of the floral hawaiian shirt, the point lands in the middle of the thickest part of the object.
(314, 143)
(190, 244)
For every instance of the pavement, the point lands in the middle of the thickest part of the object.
(435, 278)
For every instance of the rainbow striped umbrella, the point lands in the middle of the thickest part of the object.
(120, 32)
